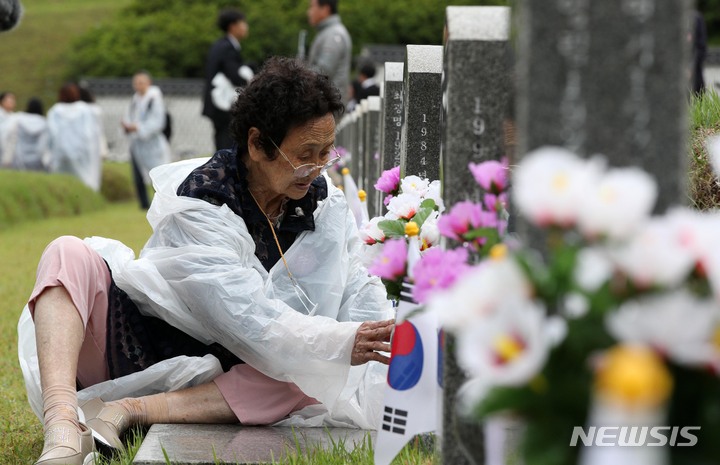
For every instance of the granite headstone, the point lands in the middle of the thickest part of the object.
(476, 104)
(420, 154)
(372, 152)
(610, 78)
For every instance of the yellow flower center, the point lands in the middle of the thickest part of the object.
(716, 338)
(411, 228)
(634, 376)
(345, 171)
(362, 195)
(508, 348)
(498, 251)
(560, 181)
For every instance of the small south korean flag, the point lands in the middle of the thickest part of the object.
(414, 384)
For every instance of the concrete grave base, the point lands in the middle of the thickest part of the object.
(209, 444)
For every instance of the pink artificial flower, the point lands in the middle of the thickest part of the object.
(390, 264)
(496, 203)
(462, 217)
(387, 199)
(465, 216)
(436, 270)
(389, 181)
(491, 175)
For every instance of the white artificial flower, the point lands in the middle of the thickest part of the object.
(549, 185)
(711, 267)
(575, 305)
(479, 292)
(713, 147)
(654, 255)
(696, 231)
(369, 253)
(592, 269)
(618, 204)
(510, 347)
(679, 324)
(429, 232)
(404, 205)
(371, 233)
(414, 185)
(433, 192)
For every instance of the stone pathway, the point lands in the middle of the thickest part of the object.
(203, 444)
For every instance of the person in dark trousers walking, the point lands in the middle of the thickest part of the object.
(699, 51)
(225, 67)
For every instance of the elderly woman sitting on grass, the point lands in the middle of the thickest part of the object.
(253, 259)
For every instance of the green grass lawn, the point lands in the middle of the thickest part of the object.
(32, 55)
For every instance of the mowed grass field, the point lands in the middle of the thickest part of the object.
(32, 56)
(20, 249)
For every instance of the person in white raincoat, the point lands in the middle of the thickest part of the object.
(75, 138)
(250, 290)
(7, 107)
(144, 123)
(26, 138)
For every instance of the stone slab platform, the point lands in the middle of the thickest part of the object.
(244, 445)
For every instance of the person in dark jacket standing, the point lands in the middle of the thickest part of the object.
(224, 71)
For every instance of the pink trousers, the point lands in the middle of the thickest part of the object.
(67, 261)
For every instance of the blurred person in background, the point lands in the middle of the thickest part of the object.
(698, 39)
(26, 138)
(7, 107)
(331, 50)
(75, 137)
(87, 96)
(225, 71)
(144, 123)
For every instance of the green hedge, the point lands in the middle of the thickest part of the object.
(28, 196)
(171, 37)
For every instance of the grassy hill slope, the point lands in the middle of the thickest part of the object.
(32, 55)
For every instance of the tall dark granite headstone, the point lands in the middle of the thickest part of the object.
(354, 145)
(423, 111)
(392, 114)
(359, 175)
(476, 99)
(607, 77)
(476, 94)
(342, 132)
(372, 151)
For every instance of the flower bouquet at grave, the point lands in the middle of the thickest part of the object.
(411, 264)
(405, 239)
(409, 227)
(606, 336)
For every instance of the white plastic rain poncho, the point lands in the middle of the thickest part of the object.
(4, 115)
(26, 138)
(76, 142)
(199, 272)
(148, 145)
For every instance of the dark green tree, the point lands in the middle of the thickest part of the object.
(711, 11)
(171, 37)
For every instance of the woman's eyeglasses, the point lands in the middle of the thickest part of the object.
(303, 171)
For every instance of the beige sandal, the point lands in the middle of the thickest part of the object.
(106, 422)
(67, 446)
